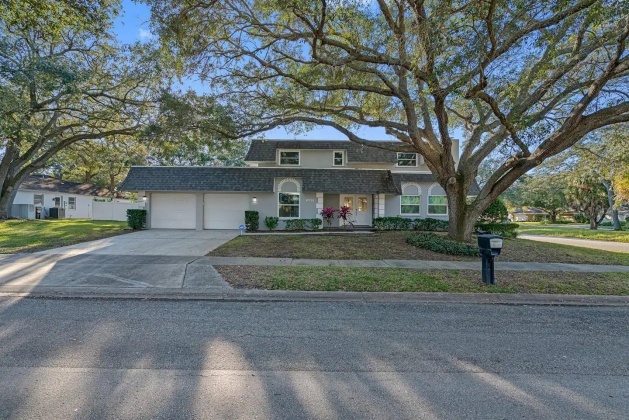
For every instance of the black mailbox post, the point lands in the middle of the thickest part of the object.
(490, 246)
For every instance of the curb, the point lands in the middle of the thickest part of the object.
(223, 295)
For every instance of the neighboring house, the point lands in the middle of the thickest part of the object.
(528, 214)
(39, 193)
(293, 179)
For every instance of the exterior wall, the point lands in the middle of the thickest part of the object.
(392, 203)
(83, 203)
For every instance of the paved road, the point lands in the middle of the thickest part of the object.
(150, 359)
(583, 243)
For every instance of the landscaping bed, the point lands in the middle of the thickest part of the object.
(353, 279)
(37, 235)
(393, 245)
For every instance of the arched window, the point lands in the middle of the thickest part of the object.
(288, 199)
(437, 201)
(411, 199)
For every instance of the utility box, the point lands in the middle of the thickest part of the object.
(56, 213)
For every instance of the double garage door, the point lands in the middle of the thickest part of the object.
(179, 211)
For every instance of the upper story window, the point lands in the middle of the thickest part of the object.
(289, 158)
(407, 159)
(339, 158)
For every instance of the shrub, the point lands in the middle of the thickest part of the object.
(438, 243)
(345, 214)
(495, 213)
(581, 218)
(506, 230)
(271, 222)
(431, 225)
(314, 224)
(136, 218)
(252, 220)
(328, 215)
(392, 223)
(296, 224)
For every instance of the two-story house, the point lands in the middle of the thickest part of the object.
(291, 179)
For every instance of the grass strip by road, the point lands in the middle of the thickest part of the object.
(392, 245)
(37, 235)
(577, 233)
(406, 280)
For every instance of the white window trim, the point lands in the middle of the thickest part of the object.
(430, 194)
(334, 152)
(279, 157)
(42, 200)
(70, 205)
(279, 191)
(419, 190)
(397, 160)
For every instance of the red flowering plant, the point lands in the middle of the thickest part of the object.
(345, 214)
(328, 215)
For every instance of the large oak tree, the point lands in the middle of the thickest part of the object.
(64, 80)
(515, 80)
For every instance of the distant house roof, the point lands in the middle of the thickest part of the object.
(246, 179)
(48, 183)
(264, 150)
(529, 210)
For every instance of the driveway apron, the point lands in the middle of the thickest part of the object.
(146, 259)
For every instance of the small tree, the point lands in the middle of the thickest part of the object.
(495, 213)
(328, 215)
(589, 197)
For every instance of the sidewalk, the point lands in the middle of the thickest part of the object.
(417, 264)
(582, 243)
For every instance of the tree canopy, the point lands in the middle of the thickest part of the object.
(517, 80)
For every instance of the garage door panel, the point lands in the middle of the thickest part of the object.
(173, 211)
(225, 211)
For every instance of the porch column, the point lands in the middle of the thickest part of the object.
(319, 207)
(380, 205)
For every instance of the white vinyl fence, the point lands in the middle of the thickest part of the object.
(111, 210)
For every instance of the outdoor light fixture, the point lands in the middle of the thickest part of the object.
(254, 200)
(143, 198)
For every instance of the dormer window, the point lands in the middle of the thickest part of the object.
(289, 158)
(339, 158)
(407, 159)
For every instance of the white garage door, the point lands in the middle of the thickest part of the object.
(225, 211)
(173, 211)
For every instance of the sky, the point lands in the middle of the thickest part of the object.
(132, 25)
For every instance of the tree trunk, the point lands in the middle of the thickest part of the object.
(7, 195)
(593, 224)
(462, 217)
(611, 197)
(553, 216)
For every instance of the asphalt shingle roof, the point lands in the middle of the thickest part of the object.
(264, 150)
(244, 179)
(48, 183)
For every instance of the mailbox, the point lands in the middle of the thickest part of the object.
(490, 242)
(490, 246)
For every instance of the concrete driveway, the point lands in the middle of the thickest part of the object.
(152, 258)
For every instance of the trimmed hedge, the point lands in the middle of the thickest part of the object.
(438, 243)
(252, 220)
(402, 223)
(506, 230)
(271, 222)
(303, 224)
(136, 218)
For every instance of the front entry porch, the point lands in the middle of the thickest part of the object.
(363, 207)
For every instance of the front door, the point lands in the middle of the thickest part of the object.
(360, 207)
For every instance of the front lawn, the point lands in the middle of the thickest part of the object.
(392, 245)
(567, 231)
(37, 235)
(351, 279)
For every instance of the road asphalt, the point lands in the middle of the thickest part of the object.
(308, 360)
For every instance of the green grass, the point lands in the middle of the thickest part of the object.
(392, 245)
(36, 235)
(405, 280)
(565, 231)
